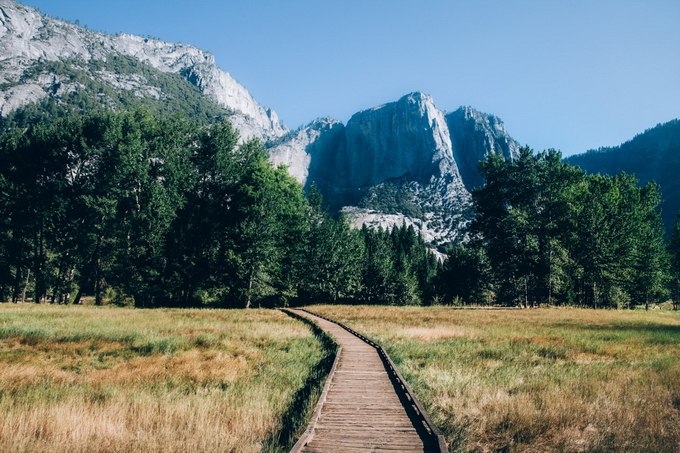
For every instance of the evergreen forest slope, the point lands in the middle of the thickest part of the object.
(653, 155)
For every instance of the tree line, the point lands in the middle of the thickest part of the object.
(547, 232)
(152, 211)
(161, 211)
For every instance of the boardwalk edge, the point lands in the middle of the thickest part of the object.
(309, 431)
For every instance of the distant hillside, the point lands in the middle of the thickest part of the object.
(653, 155)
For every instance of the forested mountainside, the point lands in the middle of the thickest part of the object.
(653, 155)
(404, 162)
(127, 174)
(136, 209)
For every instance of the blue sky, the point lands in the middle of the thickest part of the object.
(572, 75)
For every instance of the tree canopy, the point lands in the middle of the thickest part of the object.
(554, 235)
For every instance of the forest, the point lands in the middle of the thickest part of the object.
(161, 211)
(546, 232)
(152, 210)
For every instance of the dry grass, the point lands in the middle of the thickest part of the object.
(537, 380)
(110, 379)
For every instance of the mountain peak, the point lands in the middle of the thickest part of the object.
(417, 97)
(483, 119)
(408, 136)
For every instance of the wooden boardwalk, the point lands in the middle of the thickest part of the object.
(361, 408)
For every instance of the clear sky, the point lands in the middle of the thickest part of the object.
(572, 75)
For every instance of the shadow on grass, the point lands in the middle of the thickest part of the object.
(294, 420)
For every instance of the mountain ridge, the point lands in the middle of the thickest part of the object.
(405, 161)
(29, 38)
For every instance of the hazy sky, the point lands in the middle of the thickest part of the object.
(572, 75)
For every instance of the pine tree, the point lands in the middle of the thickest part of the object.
(268, 209)
(518, 221)
(378, 270)
(466, 275)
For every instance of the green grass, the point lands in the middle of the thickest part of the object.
(112, 379)
(536, 380)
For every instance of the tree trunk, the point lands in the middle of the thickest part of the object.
(250, 289)
(550, 270)
(59, 283)
(39, 278)
(16, 290)
(646, 301)
(98, 283)
(28, 276)
(97, 288)
(79, 295)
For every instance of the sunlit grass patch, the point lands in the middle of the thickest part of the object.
(536, 380)
(111, 379)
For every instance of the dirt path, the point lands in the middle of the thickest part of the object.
(361, 408)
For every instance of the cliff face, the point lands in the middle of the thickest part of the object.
(311, 150)
(30, 41)
(405, 161)
(474, 135)
(407, 138)
(397, 165)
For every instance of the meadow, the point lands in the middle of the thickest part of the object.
(117, 380)
(536, 380)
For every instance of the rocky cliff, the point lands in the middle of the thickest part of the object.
(311, 150)
(474, 135)
(30, 44)
(402, 162)
(408, 138)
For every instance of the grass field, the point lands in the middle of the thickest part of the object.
(536, 380)
(113, 379)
